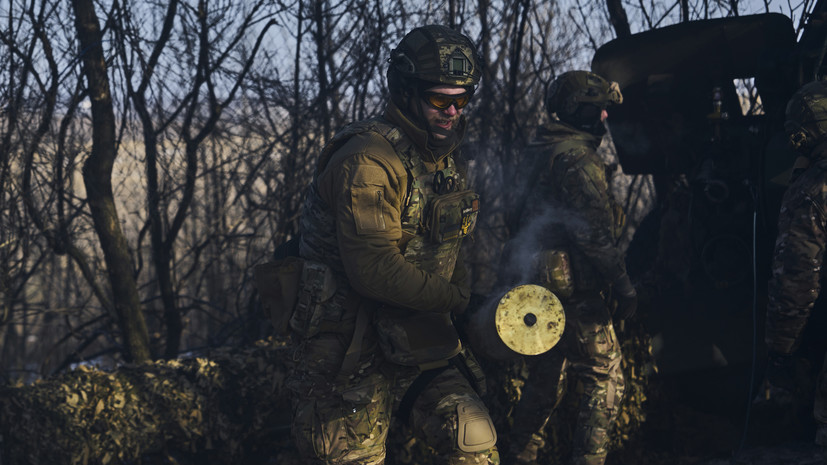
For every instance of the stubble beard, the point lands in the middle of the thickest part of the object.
(440, 131)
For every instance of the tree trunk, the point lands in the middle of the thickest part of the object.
(618, 18)
(97, 177)
(325, 89)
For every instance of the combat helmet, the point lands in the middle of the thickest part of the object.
(579, 97)
(428, 56)
(806, 117)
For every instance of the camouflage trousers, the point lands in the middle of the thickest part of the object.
(590, 352)
(820, 407)
(339, 422)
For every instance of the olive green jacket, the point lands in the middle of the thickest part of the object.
(365, 186)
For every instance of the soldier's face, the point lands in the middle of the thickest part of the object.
(603, 115)
(442, 121)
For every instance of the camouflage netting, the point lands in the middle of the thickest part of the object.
(227, 407)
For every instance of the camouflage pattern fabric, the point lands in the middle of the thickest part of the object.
(798, 258)
(820, 405)
(797, 265)
(571, 89)
(349, 423)
(570, 199)
(358, 220)
(590, 352)
(571, 195)
(437, 54)
(806, 117)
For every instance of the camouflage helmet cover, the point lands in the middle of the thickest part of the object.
(434, 54)
(572, 89)
(806, 116)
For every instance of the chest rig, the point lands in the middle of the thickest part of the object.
(438, 212)
(438, 209)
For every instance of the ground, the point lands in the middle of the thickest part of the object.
(699, 418)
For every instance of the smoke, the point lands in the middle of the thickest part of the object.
(518, 266)
(546, 224)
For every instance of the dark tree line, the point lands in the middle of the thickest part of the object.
(152, 153)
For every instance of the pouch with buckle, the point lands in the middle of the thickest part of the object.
(278, 287)
(453, 216)
(554, 269)
(317, 286)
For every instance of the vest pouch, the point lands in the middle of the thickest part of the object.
(453, 216)
(277, 283)
(316, 286)
(554, 270)
(416, 338)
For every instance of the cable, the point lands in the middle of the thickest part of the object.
(750, 395)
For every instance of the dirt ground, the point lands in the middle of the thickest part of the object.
(701, 418)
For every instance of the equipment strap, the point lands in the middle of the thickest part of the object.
(354, 350)
(424, 379)
(419, 384)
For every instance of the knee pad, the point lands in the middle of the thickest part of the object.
(476, 430)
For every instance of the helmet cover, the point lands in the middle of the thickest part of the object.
(806, 116)
(570, 92)
(434, 55)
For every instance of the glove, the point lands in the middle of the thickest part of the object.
(626, 298)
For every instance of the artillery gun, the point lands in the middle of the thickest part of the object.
(703, 114)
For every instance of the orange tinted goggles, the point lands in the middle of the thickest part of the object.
(443, 101)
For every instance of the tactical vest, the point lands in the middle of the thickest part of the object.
(438, 213)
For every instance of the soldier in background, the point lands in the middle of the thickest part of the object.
(799, 250)
(381, 229)
(571, 224)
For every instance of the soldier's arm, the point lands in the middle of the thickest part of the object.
(796, 273)
(366, 191)
(591, 223)
(460, 278)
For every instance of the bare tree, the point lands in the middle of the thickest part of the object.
(97, 175)
(617, 16)
(217, 118)
(195, 115)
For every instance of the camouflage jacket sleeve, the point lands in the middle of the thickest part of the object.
(365, 185)
(796, 270)
(581, 179)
